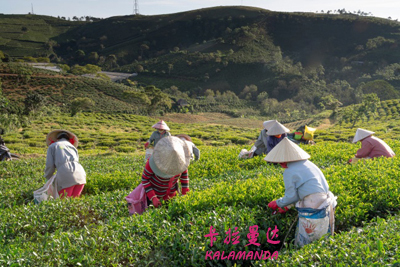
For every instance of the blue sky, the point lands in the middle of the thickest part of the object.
(107, 8)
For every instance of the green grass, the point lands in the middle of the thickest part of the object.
(225, 192)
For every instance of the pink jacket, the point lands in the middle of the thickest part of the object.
(373, 147)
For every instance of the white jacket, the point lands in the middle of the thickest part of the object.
(63, 156)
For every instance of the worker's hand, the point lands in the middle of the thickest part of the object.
(146, 145)
(156, 202)
(350, 160)
(184, 191)
(282, 211)
(171, 196)
(273, 205)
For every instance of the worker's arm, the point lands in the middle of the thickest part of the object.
(50, 165)
(291, 195)
(184, 179)
(259, 142)
(365, 150)
(152, 138)
(146, 177)
(196, 153)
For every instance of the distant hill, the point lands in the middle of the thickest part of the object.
(298, 56)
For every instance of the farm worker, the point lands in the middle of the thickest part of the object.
(167, 165)
(307, 188)
(4, 151)
(62, 155)
(276, 133)
(194, 151)
(371, 146)
(162, 131)
(262, 140)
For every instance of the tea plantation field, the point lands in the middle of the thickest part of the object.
(225, 192)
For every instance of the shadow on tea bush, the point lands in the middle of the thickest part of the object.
(125, 149)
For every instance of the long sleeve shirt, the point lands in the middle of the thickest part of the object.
(156, 136)
(63, 156)
(273, 141)
(261, 143)
(374, 147)
(302, 178)
(158, 186)
(194, 151)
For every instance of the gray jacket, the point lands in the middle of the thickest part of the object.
(261, 143)
(156, 136)
(63, 156)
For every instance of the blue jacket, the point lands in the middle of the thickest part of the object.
(302, 178)
(272, 141)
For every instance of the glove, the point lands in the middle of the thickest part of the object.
(171, 196)
(156, 202)
(273, 205)
(184, 191)
(282, 211)
(350, 160)
(146, 145)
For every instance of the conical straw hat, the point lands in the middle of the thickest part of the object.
(361, 134)
(268, 124)
(171, 156)
(277, 129)
(286, 151)
(52, 137)
(161, 125)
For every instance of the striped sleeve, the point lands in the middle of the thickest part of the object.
(184, 179)
(146, 177)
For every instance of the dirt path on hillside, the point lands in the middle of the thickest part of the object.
(212, 118)
(326, 123)
(40, 76)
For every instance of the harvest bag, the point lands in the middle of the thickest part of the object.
(244, 154)
(137, 202)
(309, 133)
(48, 191)
(298, 135)
(315, 222)
(149, 152)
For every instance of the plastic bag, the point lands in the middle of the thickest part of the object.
(298, 135)
(244, 154)
(149, 152)
(312, 225)
(48, 191)
(309, 133)
(137, 202)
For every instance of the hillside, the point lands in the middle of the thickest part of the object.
(297, 56)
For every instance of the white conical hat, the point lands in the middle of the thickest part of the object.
(268, 124)
(52, 137)
(286, 151)
(171, 156)
(361, 134)
(161, 125)
(277, 129)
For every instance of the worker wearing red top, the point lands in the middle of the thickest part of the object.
(167, 165)
(371, 146)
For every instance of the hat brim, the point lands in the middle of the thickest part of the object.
(156, 170)
(171, 164)
(52, 137)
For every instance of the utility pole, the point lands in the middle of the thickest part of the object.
(32, 9)
(136, 7)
